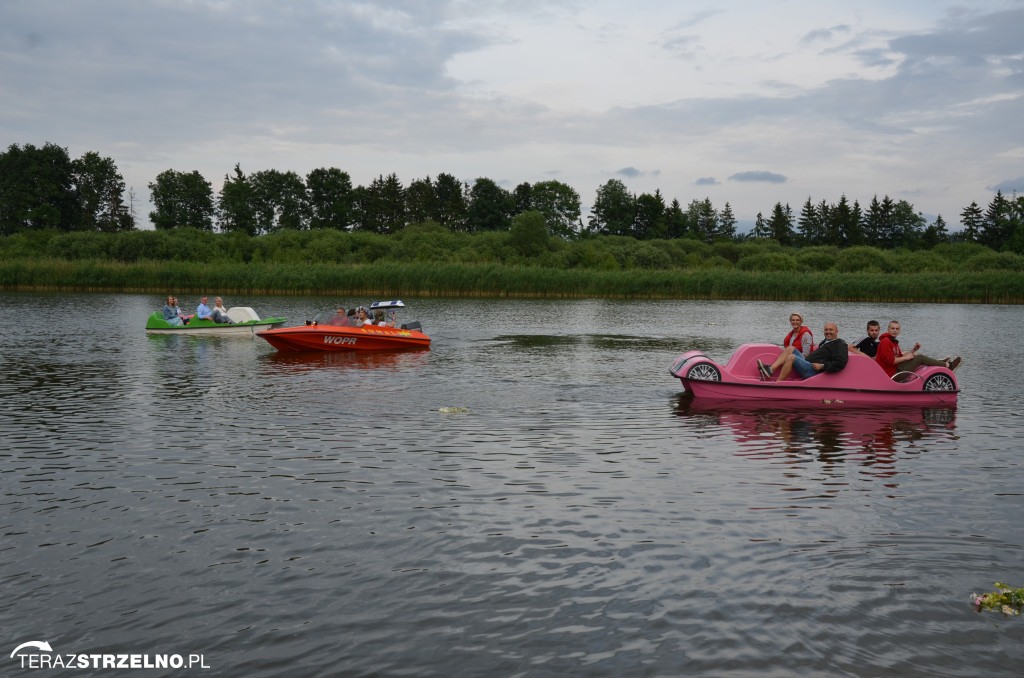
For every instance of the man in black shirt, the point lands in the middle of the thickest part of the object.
(868, 345)
(831, 355)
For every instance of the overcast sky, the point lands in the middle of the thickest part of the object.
(750, 102)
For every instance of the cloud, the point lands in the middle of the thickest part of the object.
(824, 34)
(633, 172)
(770, 177)
(925, 99)
(1009, 186)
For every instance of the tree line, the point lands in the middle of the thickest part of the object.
(43, 188)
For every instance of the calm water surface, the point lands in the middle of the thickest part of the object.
(318, 515)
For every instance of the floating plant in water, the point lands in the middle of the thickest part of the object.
(1004, 599)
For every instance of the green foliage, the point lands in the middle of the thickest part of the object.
(866, 259)
(37, 189)
(727, 250)
(647, 255)
(994, 261)
(181, 200)
(604, 279)
(919, 261)
(529, 233)
(958, 252)
(771, 261)
(817, 258)
(764, 269)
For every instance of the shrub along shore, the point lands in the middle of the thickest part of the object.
(391, 279)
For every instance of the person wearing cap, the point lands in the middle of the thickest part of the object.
(363, 318)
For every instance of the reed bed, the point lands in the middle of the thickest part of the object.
(393, 279)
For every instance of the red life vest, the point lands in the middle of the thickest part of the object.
(798, 342)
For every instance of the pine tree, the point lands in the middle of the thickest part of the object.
(973, 221)
(727, 222)
(996, 229)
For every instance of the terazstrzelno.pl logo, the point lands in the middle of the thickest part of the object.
(39, 655)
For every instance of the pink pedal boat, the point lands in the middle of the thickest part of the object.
(861, 382)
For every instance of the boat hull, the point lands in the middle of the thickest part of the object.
(861, 382)
(196, 327)
(332, 338)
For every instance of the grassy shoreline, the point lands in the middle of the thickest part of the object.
(391, 279)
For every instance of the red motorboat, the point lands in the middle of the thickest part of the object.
(328, 332)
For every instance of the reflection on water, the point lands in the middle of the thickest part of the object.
(291, 362)
(320, 514)
(874, 439)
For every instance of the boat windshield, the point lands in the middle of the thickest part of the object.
(334, 317)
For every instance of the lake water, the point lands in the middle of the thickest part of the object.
(319, 515)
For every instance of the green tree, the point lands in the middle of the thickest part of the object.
(973, 222)
(890, 232)
(529, 233)
(279, 201)
(490, 207)
(830, 227)
(812, 227)
(996, 229)
(844, 224)
(703, 218)
(560, 205)
(37, 189)
(421, 201)
(331, 198)
(854, 235)
(780, 224)
(613, 211)
(452, 209)
(235, 206)
(382, 205)
(761, 229)
(649, 223)
(181, 199)
(100, 189)
(523, 197)
(676, 225)
(879, 224)
(935, 233)
(1016, 241)
(726, 222)
(908, 225)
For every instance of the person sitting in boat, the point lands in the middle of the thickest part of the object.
(219, 313)
(868, 345)
(831, 355)
(363, 318)
(800, 337)
(177, 310)
(340, 319)
(203, 311)
(172, 313)
(893, 360)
